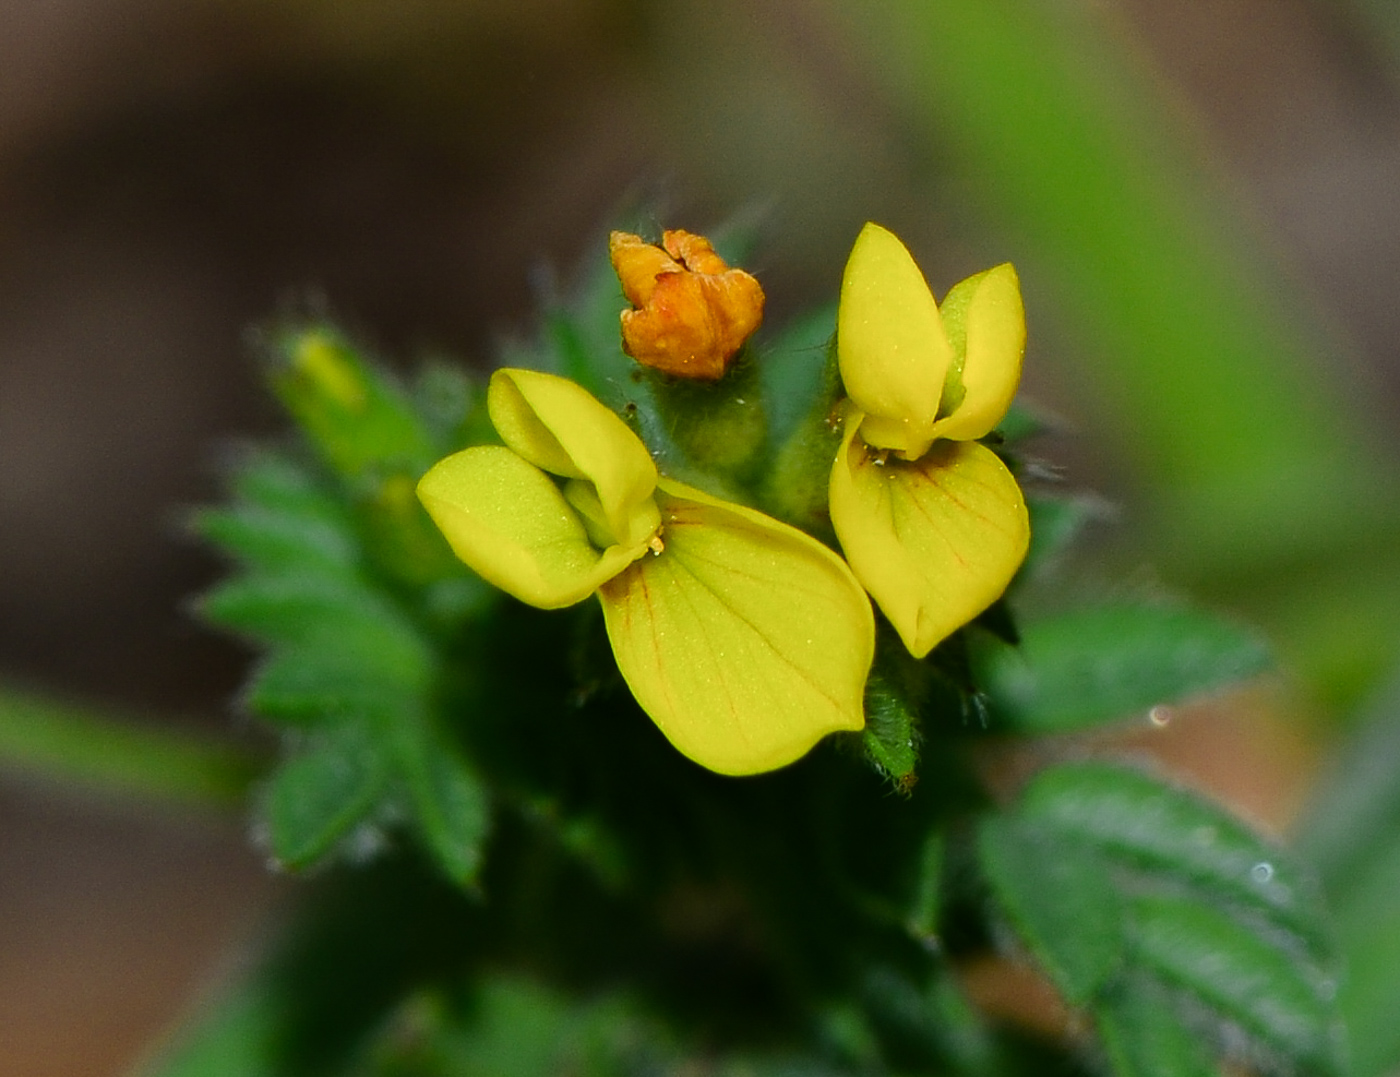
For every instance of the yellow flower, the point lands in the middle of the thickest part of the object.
(693, 312)
(745, 640)
(932, 523)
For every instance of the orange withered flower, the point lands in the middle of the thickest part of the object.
(692, 311)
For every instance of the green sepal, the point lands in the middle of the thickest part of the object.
(891, 735)
(721, 426)
(794, 371)
(795, 487)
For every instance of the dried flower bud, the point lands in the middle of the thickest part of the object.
(693, 313)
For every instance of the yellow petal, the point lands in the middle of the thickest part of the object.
(508, 520)
(745, 640)
(893, 353)
(560, 427)
(986, 324)
(935, 541)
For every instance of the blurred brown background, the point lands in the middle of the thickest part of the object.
(172, 173)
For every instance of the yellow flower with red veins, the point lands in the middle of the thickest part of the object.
(932, 523)
(744, 639)
(693, 312)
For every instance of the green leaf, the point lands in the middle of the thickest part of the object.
(308, 685)
(1061, 900)
(1202, 921)
(1249, 981)
(1144, 1035)
(316, 797)
(238, 1038)
(356, 414)
(310, 611)
(1091, 666)
(119, 753)
(1352, 834)
(1356, 813)
(275, 481)
(1127, 816)
(1368, 931)
(278, 541)
(449, 801)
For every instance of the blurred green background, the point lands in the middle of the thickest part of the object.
(1202, 198)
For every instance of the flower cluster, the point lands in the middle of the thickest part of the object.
(747, 640)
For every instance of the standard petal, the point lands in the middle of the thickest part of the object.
(746, 640)
(986, 324)
(891, 347)
(935, 541)
(561, 427)
(506, 519)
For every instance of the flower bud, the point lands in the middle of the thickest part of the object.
(692, 312)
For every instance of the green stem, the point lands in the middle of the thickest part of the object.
(81, 747)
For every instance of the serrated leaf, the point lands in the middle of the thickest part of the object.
(1059, 898)
(1144, 1036)
(279, 541)
(278, 482)
(1248, 981)
(320, 793)
(1087, 667)
(309, 685)
(341, 616)
(449, 801)
(356, 414)
(1131, 817)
